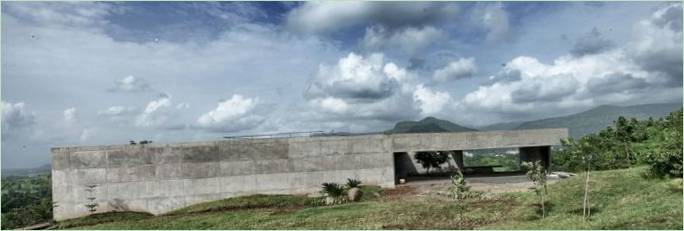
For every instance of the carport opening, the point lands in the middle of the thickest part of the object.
(495, 161)
(410, 167)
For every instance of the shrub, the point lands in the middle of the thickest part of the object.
(353, 183)
(334, 193)
(537, 173)
(431, 159)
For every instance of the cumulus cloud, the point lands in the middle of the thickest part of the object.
(157, 114)
(231, 115)
(361, 87)
(459, 69)
(16, 116)
(70, 115)
(647, 69)
(327, 16)
(357, 78)
(493, 18)
(591, 43)
(131, 84)
(409, 39)
(659, 43)
(429, 101)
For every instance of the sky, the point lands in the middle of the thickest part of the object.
(93, 73)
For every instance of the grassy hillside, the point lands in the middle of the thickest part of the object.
(429, 124)
(621, 199)
(592, 120)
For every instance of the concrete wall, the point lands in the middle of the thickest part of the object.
(158, 178)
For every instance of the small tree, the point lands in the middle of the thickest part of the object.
(537, 173)
(459, 190)
(431, 159)
(91, 205)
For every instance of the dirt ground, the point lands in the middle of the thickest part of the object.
(486, 184)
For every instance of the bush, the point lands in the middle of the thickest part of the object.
(431, 159)
(334, 193)
(353, 183)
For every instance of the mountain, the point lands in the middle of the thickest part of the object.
(429, 124)
(594, 119)
(43, 169)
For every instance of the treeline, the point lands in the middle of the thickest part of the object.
(26, 200)
(628, 142)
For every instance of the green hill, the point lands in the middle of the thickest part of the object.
(592, 120)
(429, 124)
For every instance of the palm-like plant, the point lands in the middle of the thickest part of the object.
(353, 183)
(333, 192)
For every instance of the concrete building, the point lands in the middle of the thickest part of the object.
(158, 178)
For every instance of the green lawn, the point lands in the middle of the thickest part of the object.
(621, 199)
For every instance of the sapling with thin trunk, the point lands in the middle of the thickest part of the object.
(459, 189)
(537, 173)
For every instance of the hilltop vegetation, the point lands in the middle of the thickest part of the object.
(26, 200)
(593, 120)
(428, 124)
(628, 142)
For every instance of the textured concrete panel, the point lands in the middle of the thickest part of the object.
(91, 159)
(158, 206)
(199, 154)
(135, 173)
(132, 156)
(171, 188)
(88, 176)
(133, 190)
(60, 161)
(202, 185)
(169, 171)
(200, 170)
(235, 184)
(272, 166)
(237, 168)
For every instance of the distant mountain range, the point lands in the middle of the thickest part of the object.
(429, 124)
(578, 124)
(43, 169)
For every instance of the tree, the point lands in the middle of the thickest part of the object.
(537, 174)
(459, 190)
(431, 159)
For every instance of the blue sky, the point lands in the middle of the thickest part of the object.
(85, 73)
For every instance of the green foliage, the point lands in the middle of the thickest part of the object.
(431, 159)
(26, 201)
(334, 193)
(353, 183)
(537, 174)
(459, 190)
(628, 142)
(508, 162)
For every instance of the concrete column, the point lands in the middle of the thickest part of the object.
(530, 154)
(458, 157)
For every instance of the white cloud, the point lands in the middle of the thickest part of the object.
(15, 116)
(234, 114)
(362, 87)
(494, 18)
(327, 16)
(409, 39)
(357, 78)
(70, 115)
(429, 101)
(459, 69)
(157, 114)
(131, 84)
